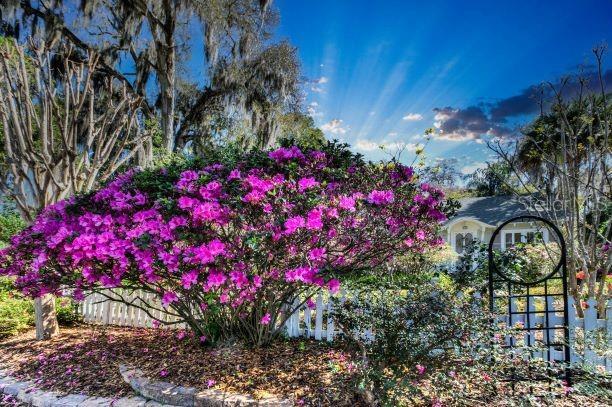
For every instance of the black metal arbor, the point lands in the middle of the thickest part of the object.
(534, 307)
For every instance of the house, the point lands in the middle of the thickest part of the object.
(479, 217)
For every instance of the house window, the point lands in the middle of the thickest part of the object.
(462, 241)
(459, 242)
(513, 237)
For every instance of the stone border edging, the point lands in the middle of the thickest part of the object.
(27, 393)
(168, 393)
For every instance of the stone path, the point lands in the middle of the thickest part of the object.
(156, 394)
(165, 392)
(26, 393)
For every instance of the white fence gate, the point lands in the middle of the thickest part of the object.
(590, 337)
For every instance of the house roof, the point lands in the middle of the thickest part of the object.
(491, 210)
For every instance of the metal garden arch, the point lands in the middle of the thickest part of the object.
(545, 326)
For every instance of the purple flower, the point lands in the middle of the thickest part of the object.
(190, 278)
(317, 253)
(216, 279)
(294, 223)
(234, 174)
(307, 183)
(333, 285)
(168, 298)
(314, 220)
(265, 320)
(285, 154)
(377, 197)
(347, 203)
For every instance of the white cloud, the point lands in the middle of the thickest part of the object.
(334, 127)
(316, 84)
(468, 169)
(313, 110)
(366, 145)
(369, 145)
(317, 89)
(392, 134)
(413, 117)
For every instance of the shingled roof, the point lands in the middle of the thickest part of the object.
(491, 210)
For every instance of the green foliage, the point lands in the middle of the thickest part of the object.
(528, 262)
(542, 142)
(496, 179)
(16, 312)
(443, 173)
(417, 322)
(432, 346)
(10, 223)
(591, 382)
(300, 129)
(470, 271)
(67, 312)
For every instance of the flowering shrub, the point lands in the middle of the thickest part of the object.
(229, 243)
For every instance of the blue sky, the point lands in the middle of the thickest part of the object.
(379, 71)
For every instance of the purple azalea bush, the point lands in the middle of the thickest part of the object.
(229, 244)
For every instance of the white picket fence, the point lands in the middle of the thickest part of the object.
(97, 309)
(590, 337)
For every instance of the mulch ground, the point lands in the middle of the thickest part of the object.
(86, 360)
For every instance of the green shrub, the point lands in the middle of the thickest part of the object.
(415, 324)
(10, 223)
(430, 346)
(67, 312)
(471, 270)
(528, 262)
(16, 312)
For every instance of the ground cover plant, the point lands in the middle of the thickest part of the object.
(229, 242)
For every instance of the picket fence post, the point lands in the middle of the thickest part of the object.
(590, 327)
(608, 318)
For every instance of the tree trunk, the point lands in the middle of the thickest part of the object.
(166, 71)
(46, 321)
(167, 112)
